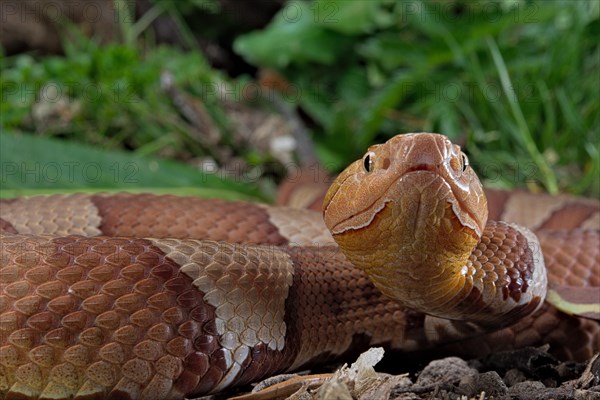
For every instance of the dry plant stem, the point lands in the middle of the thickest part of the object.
(203, 129)
(286, 388)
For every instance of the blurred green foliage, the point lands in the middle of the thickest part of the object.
(113, 92)
(516, 81)
(35, 165)
(109, 97)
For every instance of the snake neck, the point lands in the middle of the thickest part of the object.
(421, 262)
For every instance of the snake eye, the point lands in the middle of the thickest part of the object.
(465, 162)
(368, 161)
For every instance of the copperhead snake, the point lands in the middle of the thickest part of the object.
(160, 297)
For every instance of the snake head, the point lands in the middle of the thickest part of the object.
(409, 214)
(405, 170)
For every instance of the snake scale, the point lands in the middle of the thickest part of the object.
(160, 297)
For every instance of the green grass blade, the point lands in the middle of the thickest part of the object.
(525, 138)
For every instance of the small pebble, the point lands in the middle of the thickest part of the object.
(513, 376)
(488, 382)
(447, 370)
(529, 390)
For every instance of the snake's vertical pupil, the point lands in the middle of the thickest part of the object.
(368, 161)
(465, 162)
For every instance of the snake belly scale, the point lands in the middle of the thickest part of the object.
(151, 297)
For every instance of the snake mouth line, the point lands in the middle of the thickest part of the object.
(417, 169)
(326, 206)
(461, 205)
(456, 199)
(334, 229)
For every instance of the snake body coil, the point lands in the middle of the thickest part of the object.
(152, 297)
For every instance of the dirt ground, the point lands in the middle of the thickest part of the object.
(527, 374)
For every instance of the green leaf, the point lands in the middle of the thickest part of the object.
(34, 165)
(350, 17)
(293, 37)
(381, 103)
